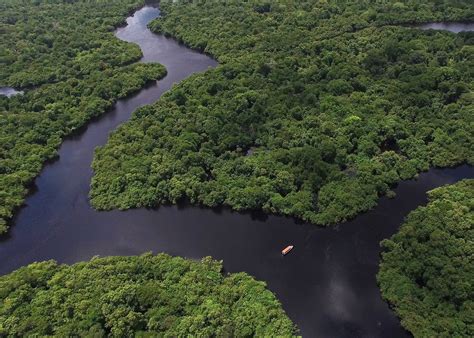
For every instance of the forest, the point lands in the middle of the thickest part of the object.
(145, 295)
(71, 68)
(427, 269)
(316, 110)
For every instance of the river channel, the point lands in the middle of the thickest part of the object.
(326, 285)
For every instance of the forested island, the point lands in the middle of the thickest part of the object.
(317, 108)
(427, 270)
(142, 295)
(65, 56)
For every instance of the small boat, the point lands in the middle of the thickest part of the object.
(287, 250)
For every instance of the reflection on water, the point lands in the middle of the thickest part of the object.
(8, 91)
(326, 284)
(454, 27)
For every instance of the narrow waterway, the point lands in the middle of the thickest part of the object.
(327, 284)
(454, 27)
(9, 92)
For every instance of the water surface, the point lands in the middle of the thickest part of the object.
(455, 27)
(8, 91)
(326, 284)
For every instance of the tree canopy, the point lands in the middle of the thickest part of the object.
(427, 269)
(73, 69)
(142, 295)
(317, 108)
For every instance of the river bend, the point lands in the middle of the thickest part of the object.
(327, 284)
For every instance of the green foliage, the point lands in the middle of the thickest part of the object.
(427, 269)
(74, 68)
(123, 296)
(317, 108)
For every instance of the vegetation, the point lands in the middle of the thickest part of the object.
(74, 69)
(427, 271)
(317, 108)
(121, 296)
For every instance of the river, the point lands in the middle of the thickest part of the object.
(326, 284)
(454, 27)
(9, 92)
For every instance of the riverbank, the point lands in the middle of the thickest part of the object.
(84, 69)
(326, 285)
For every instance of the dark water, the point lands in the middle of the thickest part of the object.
(8, 91)
(326, 284)
(455, 27)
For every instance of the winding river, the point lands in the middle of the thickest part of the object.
(327, 284)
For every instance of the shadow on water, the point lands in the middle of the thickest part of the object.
(327, 284)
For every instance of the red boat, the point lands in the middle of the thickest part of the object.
(287, 250)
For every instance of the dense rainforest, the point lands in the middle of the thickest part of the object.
(317, 108)
(427, 269)
(144, 295)
(73, 69)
